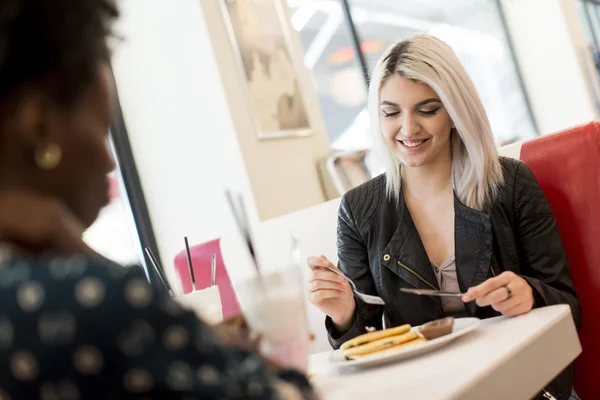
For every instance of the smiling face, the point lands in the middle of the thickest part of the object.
(415, 125)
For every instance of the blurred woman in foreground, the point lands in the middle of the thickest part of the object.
(78, 326)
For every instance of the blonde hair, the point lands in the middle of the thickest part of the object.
(476, 169)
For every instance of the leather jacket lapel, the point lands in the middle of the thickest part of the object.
(473, 247)
(405, 254)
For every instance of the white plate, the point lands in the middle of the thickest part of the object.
(462, 326)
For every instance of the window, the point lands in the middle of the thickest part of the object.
(473, 28)
(330, 55)
(114, 234)
(589, 15)
(123, 228)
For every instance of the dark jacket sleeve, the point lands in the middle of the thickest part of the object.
(544, 262)
(354, 262)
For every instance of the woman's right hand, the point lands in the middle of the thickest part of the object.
(331, 293)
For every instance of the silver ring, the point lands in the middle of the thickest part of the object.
(508, 292)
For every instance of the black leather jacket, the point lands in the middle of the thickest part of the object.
(380, 250)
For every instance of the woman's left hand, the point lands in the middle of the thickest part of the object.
(507, 293)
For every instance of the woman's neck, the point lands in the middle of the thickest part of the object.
(428, 181)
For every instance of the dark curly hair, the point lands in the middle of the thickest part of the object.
(55, 45)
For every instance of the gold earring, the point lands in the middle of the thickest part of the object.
(48, 157)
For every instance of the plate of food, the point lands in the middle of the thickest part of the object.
(401, 342)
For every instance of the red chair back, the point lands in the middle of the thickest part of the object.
(201, 258)
(567, 166)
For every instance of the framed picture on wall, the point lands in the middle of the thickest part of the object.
(260, 36)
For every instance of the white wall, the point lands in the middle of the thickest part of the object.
(178, 120)
(283, 172)
(190, 131)
(552, 54)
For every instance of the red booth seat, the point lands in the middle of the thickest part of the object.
(567, 166)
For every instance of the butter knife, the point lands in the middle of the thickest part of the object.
(429, 292)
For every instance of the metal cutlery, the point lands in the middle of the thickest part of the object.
(430, 292)
(159, 271)
(367, 298)
(295, 247)
(213, 270)
(190, 265)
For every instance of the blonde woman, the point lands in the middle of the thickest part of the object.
(448, 214)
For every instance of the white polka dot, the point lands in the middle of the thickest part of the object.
(250, 364)
(175, 337)
(138, 381)
(89, 292)
(179, 376)
(138, 293)
(208, 375)
(24, 366)
(171, 307)
(7, 333)
(134, 341)
(64, 390)
(88, 360)
(18, 272)
(56, 328)
(30, 296)
(73, 267)
(255, 388)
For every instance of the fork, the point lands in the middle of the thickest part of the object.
(295, 250)
(367, 298)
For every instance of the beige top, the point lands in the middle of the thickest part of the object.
(448, 281)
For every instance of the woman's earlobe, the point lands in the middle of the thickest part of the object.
(28, 115)
(36, 125)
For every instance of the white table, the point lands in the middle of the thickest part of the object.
(504, 358)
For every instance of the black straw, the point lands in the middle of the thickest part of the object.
(241, 219)
(189, 259)
(159, 272)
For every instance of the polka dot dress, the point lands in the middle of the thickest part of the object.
(78, 328)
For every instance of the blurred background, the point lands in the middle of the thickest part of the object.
(474, 29)
(186, 128)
